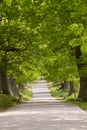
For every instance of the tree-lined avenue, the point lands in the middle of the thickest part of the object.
(43, 113)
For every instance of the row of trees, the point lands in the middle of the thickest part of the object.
(43, 37)
(66, 31)
(18, 47)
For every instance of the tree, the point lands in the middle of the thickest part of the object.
(16, 40)
(51, 35)
(10, 37)
(65, 26)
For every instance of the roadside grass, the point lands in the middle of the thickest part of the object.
(62, 95)
(7, 101)
(79, 102)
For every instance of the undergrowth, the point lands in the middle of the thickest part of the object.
(58, 93)
(7, 101)
(26, 94)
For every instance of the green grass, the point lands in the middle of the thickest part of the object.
(7, 101)
(26, 94)
(72, 100)
(62, 95)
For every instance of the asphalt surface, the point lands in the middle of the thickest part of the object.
(43, 113)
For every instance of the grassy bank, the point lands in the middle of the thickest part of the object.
(62, 95)
(73, 100)
(7, 101)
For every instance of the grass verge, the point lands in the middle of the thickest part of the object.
(62, 95)
(72, 100)
(7, 101)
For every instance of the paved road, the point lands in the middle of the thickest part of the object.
(43, 113)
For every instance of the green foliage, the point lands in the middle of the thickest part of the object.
(84, 44)
(58, 93)
(64, 28)
(76, 29)
(75, 42)
(37, 37)
(61, 66)
(25, 73)
(27, 94)
(25, 91)
(19, 40)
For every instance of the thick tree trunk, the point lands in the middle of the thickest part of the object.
(3, 73)
(83, 78)
(4, 83)
(0, 20)
(83, 88)
(0, 84)
(12, 86)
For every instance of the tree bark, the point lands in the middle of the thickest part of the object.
(0, 84)
(71, 89)
(66, 85)
(12, 86)
(0, 20)
(83, 78)
(4, 83)
(83, 88)
(3, 73)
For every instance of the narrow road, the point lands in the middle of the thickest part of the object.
(43, 113)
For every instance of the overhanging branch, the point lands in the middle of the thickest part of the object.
(14, 49)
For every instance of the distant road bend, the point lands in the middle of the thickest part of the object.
(43, 113)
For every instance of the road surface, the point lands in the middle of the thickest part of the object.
(43, 113)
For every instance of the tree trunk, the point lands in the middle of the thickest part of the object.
(71, 90)
(83, 78)
(83, 88)
(0, 20)
(12, 86)
(0, 84)
(66, 85)
(3, 73)
(4, 83)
